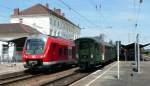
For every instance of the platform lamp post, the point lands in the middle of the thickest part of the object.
(118, 43)
(135, 52)
(138, 53)
(138, 47)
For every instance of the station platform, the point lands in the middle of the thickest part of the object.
(128, 77)
(6, 68)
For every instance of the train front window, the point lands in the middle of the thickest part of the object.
(35, 46)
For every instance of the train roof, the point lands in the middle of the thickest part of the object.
(96, 39)
(53, 38)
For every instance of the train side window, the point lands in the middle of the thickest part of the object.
(60, 52)
(65, 51)
(53, 48)
(70, 52)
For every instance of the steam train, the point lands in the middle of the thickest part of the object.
(92, 52)
(44, 51)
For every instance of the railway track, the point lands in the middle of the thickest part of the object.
(66, 80)
(36, 79)
(69, 79)
(11, 75)
(14, 77)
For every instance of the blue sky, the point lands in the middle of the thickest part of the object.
(115, 18)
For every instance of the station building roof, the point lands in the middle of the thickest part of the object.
(131, 46)
(12, 31)
(16, 28)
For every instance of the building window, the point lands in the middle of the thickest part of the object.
(51, 21)
(58, 23)
(58, 33)
(21, 20)
(62, 26)
(54, 33)
(51, 31)
(54, 22)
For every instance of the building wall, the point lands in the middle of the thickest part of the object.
(41, 23)
(49, 25)
(1, 49)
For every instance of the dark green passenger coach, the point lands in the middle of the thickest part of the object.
(92, 52)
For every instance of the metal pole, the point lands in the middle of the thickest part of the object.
(135, 53)
(118, 58)
(138, 52)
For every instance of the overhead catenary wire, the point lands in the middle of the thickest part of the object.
(70, 8)
(74, 18)
(101, 17)
(93, 4)
(138, 14)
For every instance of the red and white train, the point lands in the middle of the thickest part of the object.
(42, 50)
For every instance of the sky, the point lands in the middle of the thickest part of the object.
(114, 18)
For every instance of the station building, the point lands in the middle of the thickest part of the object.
(37, 19)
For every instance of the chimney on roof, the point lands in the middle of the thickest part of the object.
(47, 5)
(58, 11)
(16, 11)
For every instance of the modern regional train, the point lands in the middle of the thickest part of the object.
(44, 51)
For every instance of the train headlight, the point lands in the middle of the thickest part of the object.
(25, 56)
(92, 56)
(42, 56)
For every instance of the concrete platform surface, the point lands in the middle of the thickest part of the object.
(6, 68)
(128, 77)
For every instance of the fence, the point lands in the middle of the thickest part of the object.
(11, 55)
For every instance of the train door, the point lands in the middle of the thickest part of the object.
(53, 52)
(65, 53)
(70, 54)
